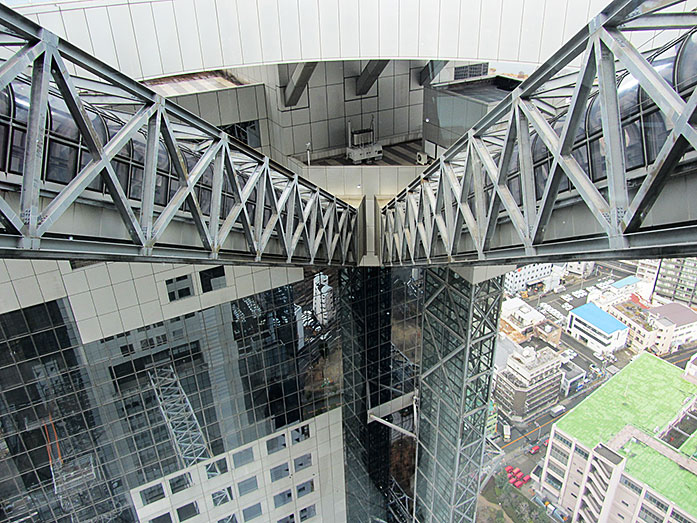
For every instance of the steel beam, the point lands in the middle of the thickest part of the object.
(369, 75)
(299, 79)
(431, 70)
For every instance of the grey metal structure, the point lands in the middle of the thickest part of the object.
(460, 325)
(588, 164)
(182, 425)
(226, 202)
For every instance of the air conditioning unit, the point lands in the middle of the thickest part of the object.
(421, 158)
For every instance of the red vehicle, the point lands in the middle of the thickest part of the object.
(519, 475)
(508, 468)
(512, 480)
(546, 442)
(526, 478)
(515, 470)
(518, 484)
(535, 449)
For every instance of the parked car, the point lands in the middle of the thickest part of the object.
(535, 449)
(515, 471)
(508, 468)
(526, 478)
(518, 484)
(512, 480)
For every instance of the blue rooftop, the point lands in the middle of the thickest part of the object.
(597, 317)
(629, 280)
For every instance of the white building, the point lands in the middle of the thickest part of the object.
(518, 319)
(583, 268)
(519, 279)
(660, 329)
(591, 325)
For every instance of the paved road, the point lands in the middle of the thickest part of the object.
(681, 357)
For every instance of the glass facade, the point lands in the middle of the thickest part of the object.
(85, 425)
(82, 425)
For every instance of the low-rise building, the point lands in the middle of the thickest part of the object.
(572, 378)
(518, 319)
(601, 332)
(660, 329)
(548, 332)
(529, 383)
(522, 277)
(675, 324)
(628, 452)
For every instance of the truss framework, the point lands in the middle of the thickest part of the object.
(455, 211)
(459, 335)
(274, 216)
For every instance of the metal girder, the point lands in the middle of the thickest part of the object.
(454, 392)
(431, 70)
(567, 197)
(254, 209)
(299, 79)
(369, 75)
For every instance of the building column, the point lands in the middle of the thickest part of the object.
(460, 318)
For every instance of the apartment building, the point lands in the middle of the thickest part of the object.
(659, 329)
(519, 279)
(529, 383)
(628, 452)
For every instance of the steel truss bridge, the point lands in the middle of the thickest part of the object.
(591, 157)
(594, 163)
(101, 167)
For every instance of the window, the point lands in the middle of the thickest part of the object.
(275, 444)
(228, 519)
(300, 434)
(221, 497)
(565, 442)
(280, 472)
(578, 450)
(630, 485)
(553, 481)
(152, 494)
(307, 513)
(305, 488)
(243, 457)
(180, 483)
(559, 454)
(179, 288)
(302, 462)
(679, 517)
(164, 518)
(252, 512)
(187, 511)
(558, 471)
(282, 498)
(212, 279)
(287, 519)
(216, 468)
(649, 516)
(656, 502)
(247, 485)
(127, 350)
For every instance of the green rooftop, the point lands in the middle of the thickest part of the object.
(647, 394)
(662, 474)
